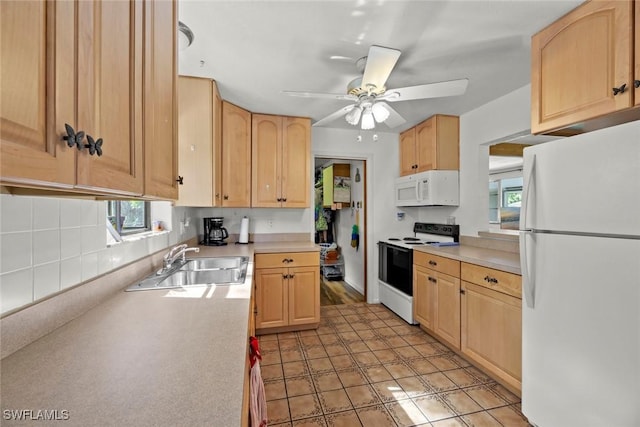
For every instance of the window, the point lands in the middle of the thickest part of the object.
(505, 197)
(129, 217)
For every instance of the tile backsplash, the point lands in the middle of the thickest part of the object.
(48, 244)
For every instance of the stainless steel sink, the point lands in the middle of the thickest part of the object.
(198, 272)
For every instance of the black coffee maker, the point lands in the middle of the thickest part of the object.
(214, 232)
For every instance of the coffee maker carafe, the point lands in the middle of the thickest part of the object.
(214, 232)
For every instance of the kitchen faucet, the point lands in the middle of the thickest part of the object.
(173, 254)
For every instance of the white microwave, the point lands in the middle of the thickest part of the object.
(430, 188)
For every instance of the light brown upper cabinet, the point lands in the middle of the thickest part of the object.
(433, 144)
(280, 157)
(236, 156)
(583, 68)
(199, 140)
(160, 100)
(90, 76)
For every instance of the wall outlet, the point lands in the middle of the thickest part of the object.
(270, 223)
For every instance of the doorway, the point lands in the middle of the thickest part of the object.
(340, 223)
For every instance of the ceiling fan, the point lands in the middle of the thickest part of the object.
(370, 97)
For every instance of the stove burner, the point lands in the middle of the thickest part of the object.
(410, 239)
(394, 239)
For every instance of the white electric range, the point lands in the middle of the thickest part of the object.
(395, 264)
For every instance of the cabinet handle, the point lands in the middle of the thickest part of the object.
(621, 89)
(279, 199)
(290, 260)
(432, 262)
(490, 279)
(291, 276)
(217, 195)
(636, 83)
(226, 197)
(286, 260)
(95, 147)
(284, 199)
(462, 291)
(285, 276)
(180, 180)
(431, 279)
(73, 138)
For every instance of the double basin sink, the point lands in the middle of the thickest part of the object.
(197, 272)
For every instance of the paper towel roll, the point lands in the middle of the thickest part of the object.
(244, 230)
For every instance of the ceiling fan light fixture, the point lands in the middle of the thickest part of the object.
(380, 112)
(367, 120)
(353, 116)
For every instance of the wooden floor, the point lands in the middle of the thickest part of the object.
(333, 292)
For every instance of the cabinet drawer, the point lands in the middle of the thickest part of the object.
(500, 281)
(287, 259)
(437, 263)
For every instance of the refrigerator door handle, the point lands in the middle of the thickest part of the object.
(528, 282)
(527, 192)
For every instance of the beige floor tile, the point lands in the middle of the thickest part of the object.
(484, 378)
(376, 373)
(415, 339)
(449, 422)
(366, 358)
(352, 377)
(356, 346)
(427, 349)
(433, 407)
(360, 325)
(326, 381)
(278, 411)
(330, 338)
(343, 419)
(486, 397)
(414, 387)
(335, 349)
(271, 372)
(509, 416)
(310, 340)
(322, 364)
(504, 393)
(325, 329)
(376, 344)
(299, 385)
(342, 362)
(267, 337)
(334, 401)
(395, 342)
(386, 332)
(289, 343)
(422, 366)
(368, 335)
(443, 363)
(306, 406)
(295, 369)
(314, 352)
(349, 337)
(269, 346)
(460, 402)
(310, 422)
(480, 419)
(291, 355)
(462, 378)
(308, 333)
(362, 395)
(343, 327)
(386, 356)
(274, 390)
(270, 358)
(399, 370)
(461, 361)
(407, 353)
(377, 416)
(389, 391)
(406, 413)
(438, 382)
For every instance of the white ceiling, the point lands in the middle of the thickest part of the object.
(256, 49)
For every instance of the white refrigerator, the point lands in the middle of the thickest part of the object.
(580, 260)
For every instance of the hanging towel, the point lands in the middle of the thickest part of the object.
(258, 404)
(355, 232)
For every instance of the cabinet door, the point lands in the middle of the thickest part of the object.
(424, 296)
(266, 158)
(577, 61)
(426, 145)
(636, 75)
(492, 331)
(110, 94)
(408, 152)
(217, 147)
(304, 295)
(271, 298)
(37, 92)
(296, 153)
(160, 100)
(195, 140)
(236, 156)
(448, 309)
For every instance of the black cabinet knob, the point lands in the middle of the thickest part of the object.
(279, 199)
(226, 197)
(95, 147)
(636, 83)
(73, 138)
(180, 180)
(284, 200)
(621, 89)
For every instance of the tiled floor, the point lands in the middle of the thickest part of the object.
(364, 366)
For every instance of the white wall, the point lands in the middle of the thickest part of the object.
(48, 244)
(496, 120)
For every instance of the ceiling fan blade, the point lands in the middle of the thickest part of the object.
(342, 97)
(394, 119)
(430, 90)
(331, 117)
(380, 62)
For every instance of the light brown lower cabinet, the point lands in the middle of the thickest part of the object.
(287, 288)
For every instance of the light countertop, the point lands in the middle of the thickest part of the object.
(146, 358)
(499, 260)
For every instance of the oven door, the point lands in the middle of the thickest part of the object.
(395, 267)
